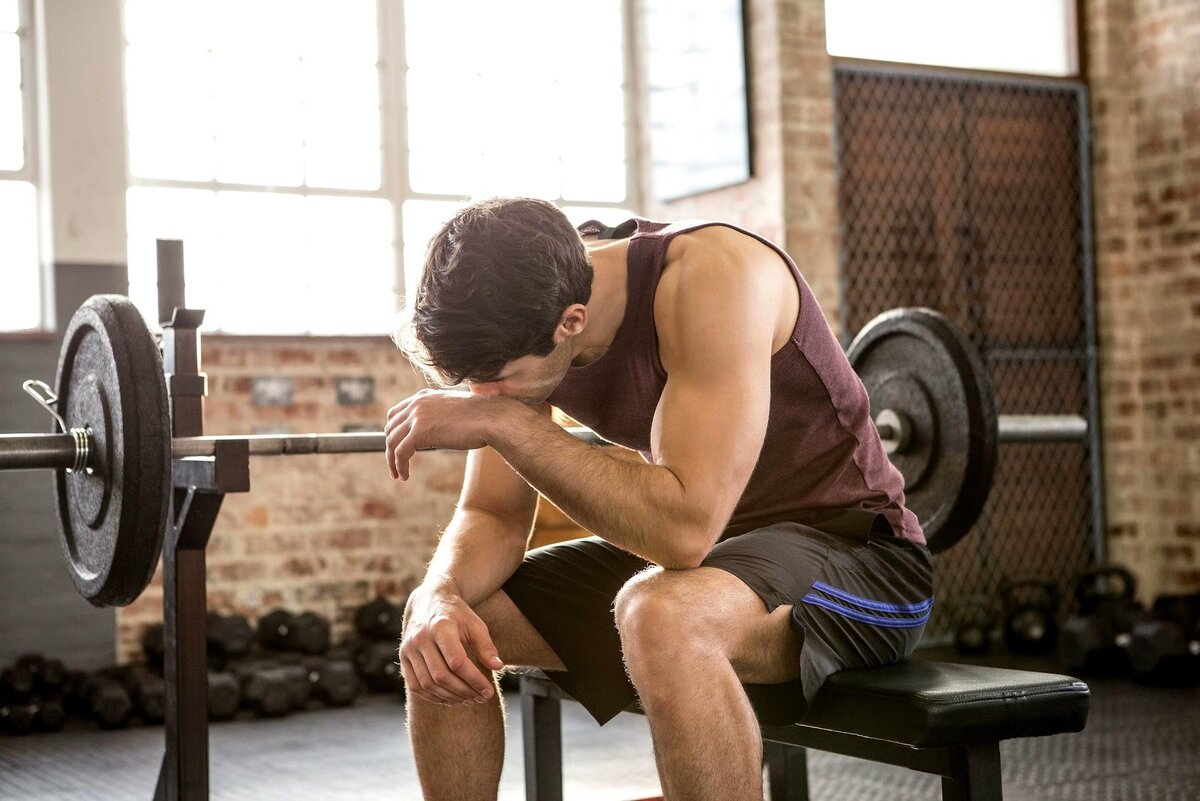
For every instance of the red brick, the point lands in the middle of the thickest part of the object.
(375, 509)
(257, 516)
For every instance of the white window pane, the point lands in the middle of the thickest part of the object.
(10, 17)
(426, 24)
(186, 214)
(593, 180)
(187, 24)
(170, 112)
(595, 59)
(20, 293)
(341, 124)
(259, 134)
(352, 265)
(10, 61)
(488, 115)
(422, 219)
(12, 130)
(268, 29)
(446, 131)
(264, 272)
(1031, 36)
(341, 28)
(599, 134)
(12, 134)
(343, 165)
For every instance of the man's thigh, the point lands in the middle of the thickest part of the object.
(565, 593)
(514, 636)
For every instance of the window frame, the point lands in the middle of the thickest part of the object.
(394, 185)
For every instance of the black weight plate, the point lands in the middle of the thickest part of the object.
(111, 518)
(914, 361)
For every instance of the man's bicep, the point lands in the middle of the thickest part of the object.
(709, 430)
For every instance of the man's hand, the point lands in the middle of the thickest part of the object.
(439, 627)
(435, 419)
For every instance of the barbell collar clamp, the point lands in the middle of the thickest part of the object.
(82, 437)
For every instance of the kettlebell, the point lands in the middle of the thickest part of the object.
(1029, 626)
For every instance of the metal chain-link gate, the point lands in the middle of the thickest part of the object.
(970, 195)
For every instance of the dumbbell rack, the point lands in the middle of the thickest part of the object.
(200, 484)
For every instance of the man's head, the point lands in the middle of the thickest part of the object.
(499, 279)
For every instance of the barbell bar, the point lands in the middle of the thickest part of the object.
(62, 451)
(113, 471)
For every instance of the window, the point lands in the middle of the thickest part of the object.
(1030, 36)
(292, 146)
(255, 136)
(20, 279)
(530, 103)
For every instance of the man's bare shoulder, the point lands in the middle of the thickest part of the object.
(717, 276)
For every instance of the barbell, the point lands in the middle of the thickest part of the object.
(112, 454)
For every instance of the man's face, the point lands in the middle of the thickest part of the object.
(529, 379)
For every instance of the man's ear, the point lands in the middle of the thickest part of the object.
(572, 322)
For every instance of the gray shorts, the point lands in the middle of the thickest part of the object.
(860, 597)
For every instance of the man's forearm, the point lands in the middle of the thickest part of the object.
(641, 508)
(475, 556)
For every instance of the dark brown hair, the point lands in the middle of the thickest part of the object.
(496, 280)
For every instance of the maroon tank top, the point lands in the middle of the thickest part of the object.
(822, 454)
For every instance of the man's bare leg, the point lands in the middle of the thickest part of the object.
(690, 639)
(459, 749)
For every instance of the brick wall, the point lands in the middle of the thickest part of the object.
(323, 532)
(1144, 73)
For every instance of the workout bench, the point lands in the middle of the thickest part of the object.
(934, 717)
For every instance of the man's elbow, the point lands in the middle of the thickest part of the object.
(692, 546)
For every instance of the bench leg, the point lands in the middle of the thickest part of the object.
(787, 771)
(975, 774)
(541, 729)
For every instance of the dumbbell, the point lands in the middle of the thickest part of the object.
(379, 619)
(1097, 639)
(334, 681)
(47, 673)
(17, 685)
(107, 701)
(265, 689)
(377, 665)
(41, 714)
(224, 696)
(1165, 648)
(147, 690)
(1029, 626)
(229, 637)
(306, 633)
(17, 718)
(72, 693)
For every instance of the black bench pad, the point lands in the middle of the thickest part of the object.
(934, 704)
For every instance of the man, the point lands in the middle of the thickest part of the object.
(763, 540)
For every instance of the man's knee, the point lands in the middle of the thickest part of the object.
(515, 638)
(655, 616)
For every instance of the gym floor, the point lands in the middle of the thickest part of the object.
(1140, 743)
